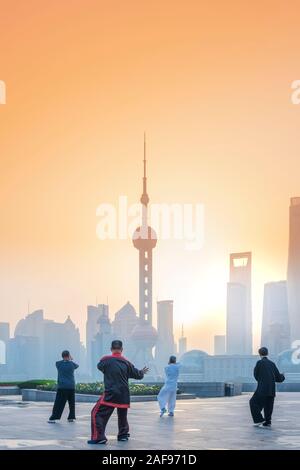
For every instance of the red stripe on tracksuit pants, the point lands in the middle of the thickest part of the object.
(100, 416)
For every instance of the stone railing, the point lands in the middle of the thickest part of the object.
(48, 396)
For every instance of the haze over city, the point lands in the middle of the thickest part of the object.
(213, 91)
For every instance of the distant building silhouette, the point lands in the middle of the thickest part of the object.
(182, 343)
(125, 321)
(24, 360)
(101, 342)
(137, 335)
(32, 325)
(293, 276)
(4, 339)
(219, 345)
(236, 314)
(123, 325)
(47, 339)
(57, 337)
(144, 240)
(239, 309)
(198, 366)
(4, 332)
(93, 315)
(275, 332)
(165, 346)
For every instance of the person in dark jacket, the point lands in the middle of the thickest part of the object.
(65, 388)
(117, 370)
(266, 374)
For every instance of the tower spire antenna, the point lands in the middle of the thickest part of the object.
(145, 161)
(145, 197)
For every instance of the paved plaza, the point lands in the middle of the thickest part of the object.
(209, 423)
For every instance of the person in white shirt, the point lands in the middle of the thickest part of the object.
(167, 395)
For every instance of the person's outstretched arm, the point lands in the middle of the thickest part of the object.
(134, 373)
(278, 376)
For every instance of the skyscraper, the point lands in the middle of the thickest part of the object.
(239, 308)
(4, 332)
(46, 340)
(275, 331)
(93, 315)
(165, 343)
(57, 337)
(144, 240)
(293, 275)
(24, 360)
(101, 343)
(4, 339)
(182, 343)
(219, 345)
(236, 315)
(33, 326)
(126, 319)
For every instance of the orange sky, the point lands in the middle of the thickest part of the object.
(211, 84)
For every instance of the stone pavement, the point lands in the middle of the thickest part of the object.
(209, 423)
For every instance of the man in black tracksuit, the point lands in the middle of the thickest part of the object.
(65, 388)
(266, 374)
(117, 370)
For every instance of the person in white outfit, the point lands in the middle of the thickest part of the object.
(167, 394)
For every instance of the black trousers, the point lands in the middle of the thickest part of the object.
(259, 403)
(100, 417)
(63, 396)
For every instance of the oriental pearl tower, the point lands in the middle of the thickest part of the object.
(144, 240)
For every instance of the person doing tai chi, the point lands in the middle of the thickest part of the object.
(167, 395)
(266, 374)
(117, 370)
(65, 388)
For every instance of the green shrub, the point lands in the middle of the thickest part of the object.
(97, 388)
(37, 383)
(33, 383)
(144, 389)
(9, 384)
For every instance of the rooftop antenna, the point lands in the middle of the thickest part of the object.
(145, 197)
(145, 155)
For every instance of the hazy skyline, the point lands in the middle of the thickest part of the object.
(210, 84)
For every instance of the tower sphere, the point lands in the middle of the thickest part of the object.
(145, 241)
